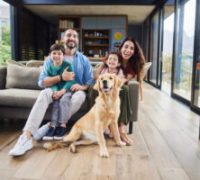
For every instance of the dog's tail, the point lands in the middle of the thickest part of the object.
(49, 146)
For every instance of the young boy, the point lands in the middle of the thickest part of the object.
(61, 94)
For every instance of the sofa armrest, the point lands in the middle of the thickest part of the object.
(134, 97)
(3, 72)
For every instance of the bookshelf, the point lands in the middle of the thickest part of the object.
(95, 43)
(67, 22)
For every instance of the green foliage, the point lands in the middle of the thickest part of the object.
(166, 69)
(5, 47)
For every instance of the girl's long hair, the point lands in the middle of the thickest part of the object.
(137, 60)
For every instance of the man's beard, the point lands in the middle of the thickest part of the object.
(71, 46)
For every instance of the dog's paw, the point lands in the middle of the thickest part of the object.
(72, 148)
(48, 146)
(104, 153)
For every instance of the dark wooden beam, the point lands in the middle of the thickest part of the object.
(15, 45)
(15, 3)
(158, 6)
(81, 2)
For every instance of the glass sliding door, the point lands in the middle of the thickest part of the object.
(182, 81)
(167, 53)
(197, 84)
(145, 39)
(154, 51)
(196, 67)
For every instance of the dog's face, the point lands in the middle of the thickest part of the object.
(107, 82)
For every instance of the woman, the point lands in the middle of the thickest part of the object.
(132, 59)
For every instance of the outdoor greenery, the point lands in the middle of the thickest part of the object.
(166, 70)
(5, 47)
(185, 72)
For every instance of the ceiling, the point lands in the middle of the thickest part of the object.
(85, 2)
(136, 13)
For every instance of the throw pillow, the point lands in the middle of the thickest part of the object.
(22, 77)
(34, 63)
(147, 65)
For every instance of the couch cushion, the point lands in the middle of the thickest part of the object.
(18, 97)
(34, 63)
(19, 63)
(22, 77)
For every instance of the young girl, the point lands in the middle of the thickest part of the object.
(111, 65)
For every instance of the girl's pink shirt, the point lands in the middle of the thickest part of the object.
(119, 72)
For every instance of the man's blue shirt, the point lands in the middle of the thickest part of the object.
(81, 67)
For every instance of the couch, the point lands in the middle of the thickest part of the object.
(19, 91)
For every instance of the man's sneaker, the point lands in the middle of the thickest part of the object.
(22, 146)
(50, 133)
(41, 132)
(59, 133)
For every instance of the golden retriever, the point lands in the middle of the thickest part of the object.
(105, 112)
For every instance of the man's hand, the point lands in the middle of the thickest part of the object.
(58, 94)
(67, 76)
(77, 87)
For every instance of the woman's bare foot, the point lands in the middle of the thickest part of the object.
(124, 137)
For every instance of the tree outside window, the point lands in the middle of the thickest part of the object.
(5, 44)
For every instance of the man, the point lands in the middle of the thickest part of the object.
(82, 75)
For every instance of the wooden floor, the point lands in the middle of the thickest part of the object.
(166, 147)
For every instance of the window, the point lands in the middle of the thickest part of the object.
(184, 50)
(154, 47)
(5, 47)
(168, 32)
(196, 85)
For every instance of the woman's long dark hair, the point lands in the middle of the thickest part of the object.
(137, 60)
